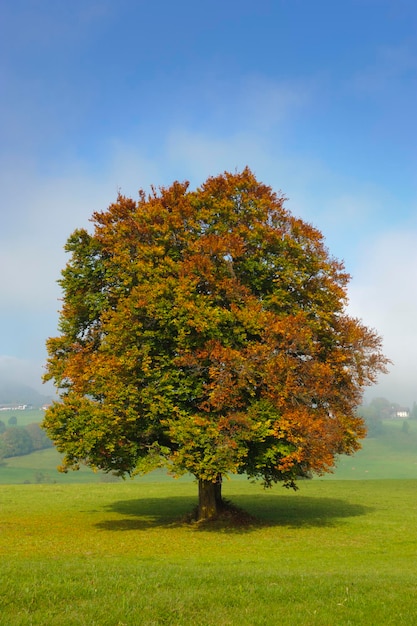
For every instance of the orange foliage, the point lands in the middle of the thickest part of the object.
(208, 329)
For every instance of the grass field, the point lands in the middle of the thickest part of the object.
(393, 454)
(338, 552)
(334, 553)
(23, 418)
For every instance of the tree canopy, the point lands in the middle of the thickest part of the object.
(207, 331)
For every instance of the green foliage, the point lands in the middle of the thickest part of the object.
(374, 425)
(38, 437)
(18, 441)
(15, 441)
(374, 413)
(405, 427)
(12, 420)
(2, 427)
(207, 330)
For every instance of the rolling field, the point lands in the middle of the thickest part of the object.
(32, 416)
(393, 454)
(334, 553)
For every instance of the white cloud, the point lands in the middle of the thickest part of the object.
(200, 155)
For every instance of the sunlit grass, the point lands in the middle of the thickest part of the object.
(393, 454)
(106, 554)
(337, 552)
(30, 416)
(41, 467)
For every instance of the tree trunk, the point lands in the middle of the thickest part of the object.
(210, 501)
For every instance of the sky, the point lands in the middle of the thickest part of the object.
(317, 98)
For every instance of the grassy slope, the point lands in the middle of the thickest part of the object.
(333, 553)
(23, 417)
(390, 455)
(41, 467)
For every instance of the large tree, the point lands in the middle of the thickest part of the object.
(206, 330)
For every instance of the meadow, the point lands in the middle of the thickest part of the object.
(335, 552)
(30, 416)
(392, 454)
(340, 551)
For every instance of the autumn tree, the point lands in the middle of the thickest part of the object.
(206, 331)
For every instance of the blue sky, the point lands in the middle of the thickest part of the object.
(318, 98)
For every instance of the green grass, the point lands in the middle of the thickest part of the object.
(41, 466)
(339, 551)
(393, 454)
(32, 416)
(334, 553)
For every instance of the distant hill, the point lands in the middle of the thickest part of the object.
(12, 393)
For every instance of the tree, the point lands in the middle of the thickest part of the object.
(382, 408)
(15, 442)
(206, 331)
(38, 437)
(373, 415)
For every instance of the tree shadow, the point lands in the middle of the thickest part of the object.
(145, 513)
(298, 511)
(292, 511)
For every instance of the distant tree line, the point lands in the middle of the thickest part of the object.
(378, 410)
(21, 440)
